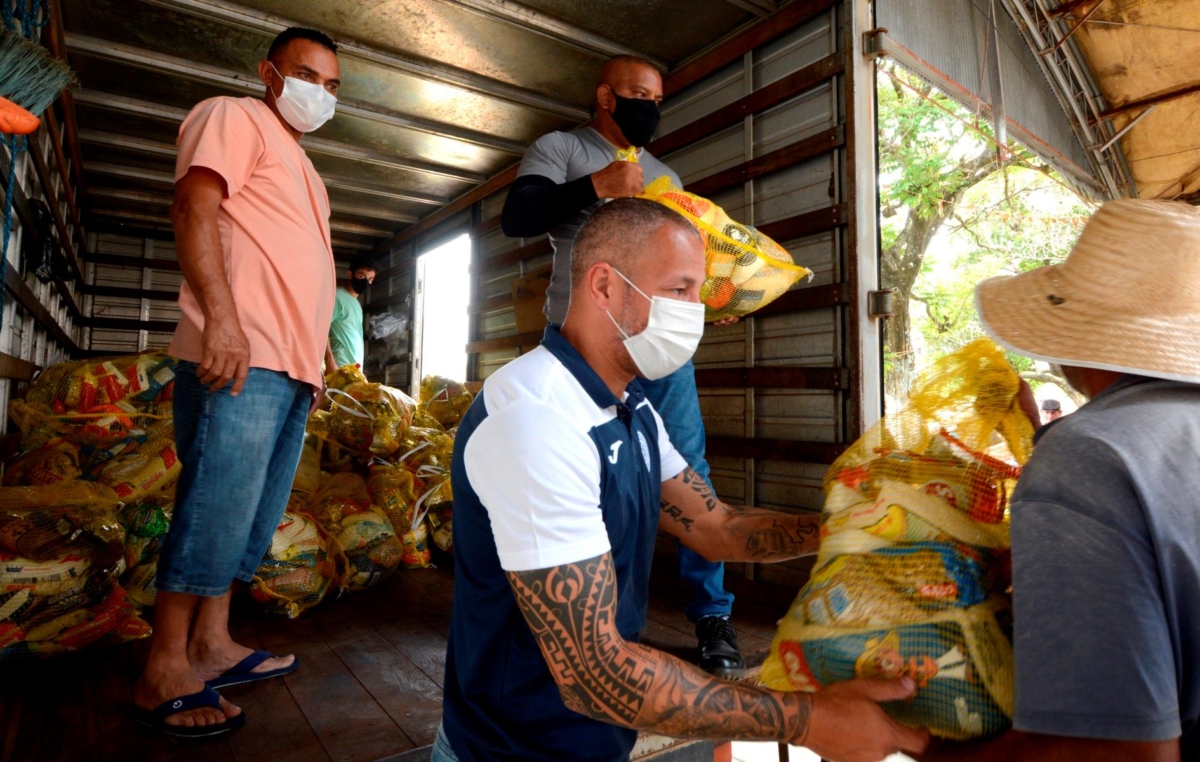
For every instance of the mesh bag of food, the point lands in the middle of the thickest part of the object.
(297, 571)
(370, 419)
(914, 564)
(308, 471)
(445, 401)
(344, 376)
(146, 523)
(392, 489)
(361, 531)
(62, 550)
(745, 270)
(111, 621)
(138, 382)
(52, 463)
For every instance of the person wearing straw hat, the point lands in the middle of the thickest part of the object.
(1106, 516)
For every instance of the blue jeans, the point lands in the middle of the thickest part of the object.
(442, 752)
(678, 403)
(239, 457)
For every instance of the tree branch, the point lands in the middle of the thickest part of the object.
(1042, 377)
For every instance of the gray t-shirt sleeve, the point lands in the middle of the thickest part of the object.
(1094, 654)
(549, 156)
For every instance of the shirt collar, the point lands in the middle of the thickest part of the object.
(578, 367)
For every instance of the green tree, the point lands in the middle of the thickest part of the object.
(946, 185)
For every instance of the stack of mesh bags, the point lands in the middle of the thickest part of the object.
(107, 424)
(744, 269)
(62, 550)
(914, 567)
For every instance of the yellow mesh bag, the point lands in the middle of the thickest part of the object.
(745, 270)
(914, 567)
(62, 549)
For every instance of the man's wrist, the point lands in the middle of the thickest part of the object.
(803, 717)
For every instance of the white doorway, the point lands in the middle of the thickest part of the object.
(443, 293)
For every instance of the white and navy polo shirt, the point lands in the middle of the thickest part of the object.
(549, 468)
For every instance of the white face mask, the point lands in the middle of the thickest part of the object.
(304, 105)
(671, 336)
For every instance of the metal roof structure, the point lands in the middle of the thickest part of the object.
(1125, 71)
(437, 95)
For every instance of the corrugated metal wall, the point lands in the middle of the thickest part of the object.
(812, 338)
(41, 321)
(144, 276)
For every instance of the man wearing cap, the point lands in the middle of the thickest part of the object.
(1051, 411)
(566, 176)
(1106, 516)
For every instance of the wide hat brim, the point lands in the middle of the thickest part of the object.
(1127, 299)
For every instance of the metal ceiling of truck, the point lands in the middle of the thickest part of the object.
(1126, 72)
(437, 95)
(1143, 55)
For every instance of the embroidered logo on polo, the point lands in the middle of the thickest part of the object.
(616, 446)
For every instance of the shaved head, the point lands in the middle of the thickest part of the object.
(619, 233)
(618, 70)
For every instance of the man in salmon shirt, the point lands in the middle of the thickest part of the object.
(251, 221)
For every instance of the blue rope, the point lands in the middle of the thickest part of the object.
(33, 16)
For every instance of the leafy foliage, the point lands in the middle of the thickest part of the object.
(956, 210)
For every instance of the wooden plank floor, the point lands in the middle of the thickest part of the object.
(370, 685)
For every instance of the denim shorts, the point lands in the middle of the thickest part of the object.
(239, 457)
(442, 751)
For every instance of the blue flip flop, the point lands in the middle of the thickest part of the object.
(243, 671)
(207, 698)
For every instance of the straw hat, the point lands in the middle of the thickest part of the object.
(1127, 298)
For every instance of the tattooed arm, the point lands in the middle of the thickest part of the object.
(572, 611)
(720, 532)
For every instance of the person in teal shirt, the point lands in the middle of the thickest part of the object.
(346, 344)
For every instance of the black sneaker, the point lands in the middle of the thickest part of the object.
(719, 652)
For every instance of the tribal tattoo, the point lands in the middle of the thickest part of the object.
(783, 537)
(571, 610)
(699, 485)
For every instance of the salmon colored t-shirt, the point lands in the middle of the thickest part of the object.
(274, 224)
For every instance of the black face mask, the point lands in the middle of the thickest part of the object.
(359, 285)
(637, 118)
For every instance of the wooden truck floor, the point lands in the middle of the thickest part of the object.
(369, 687)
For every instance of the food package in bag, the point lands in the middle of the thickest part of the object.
(152, 467)
(112, 620)
(72, 518)
(744, 269)
(373, 551)
(445, 400)
(359, 530)
(297, 571)
(308, 471)
(146, 525)
(370, 419)
(415, 544)
(391, 489)
(345, 376)
(914, 566)
(54, 462)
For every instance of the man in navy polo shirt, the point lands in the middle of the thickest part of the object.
(562, 477)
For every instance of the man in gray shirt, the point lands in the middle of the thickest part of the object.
(1106, 516)
(566, 176)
